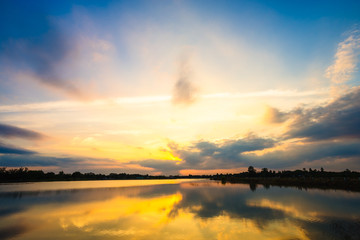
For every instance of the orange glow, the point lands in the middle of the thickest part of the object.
(211, 171)
(144, 218)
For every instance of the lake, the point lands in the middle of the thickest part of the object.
(174, 209)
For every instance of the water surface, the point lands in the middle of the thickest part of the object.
(174, 209)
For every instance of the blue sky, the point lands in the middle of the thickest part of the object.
(179, 86)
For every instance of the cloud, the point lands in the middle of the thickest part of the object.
(76, 105)
(49, 161)
(9, 131)
(324, 153)
(274, 115)
(205, 155)
(321, 135)
(346, 59)
(164, 166)
(7, 149)
(71, 164)
(38, 50)
(269, 206)
(31, 161)
(329, 135)
(184, 92)
(314, 154)
(231, 150)
(337, 120)
(223, 201)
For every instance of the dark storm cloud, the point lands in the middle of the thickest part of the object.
(337, 120)
(9, 131)
(184, 92)
(31, 42)
(8, 149)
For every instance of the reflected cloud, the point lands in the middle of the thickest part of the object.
(286, 209)
(200, 210)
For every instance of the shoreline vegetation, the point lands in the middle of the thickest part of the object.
(23, 174)
(301, 179)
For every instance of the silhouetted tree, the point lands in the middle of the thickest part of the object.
(252, 171)
(77, 175)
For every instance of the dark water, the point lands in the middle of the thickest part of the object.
(174, 210)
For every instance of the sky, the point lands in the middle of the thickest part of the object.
(179, 86)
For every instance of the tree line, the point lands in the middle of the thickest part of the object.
(23, 174)
(305, 178)
(304, 173)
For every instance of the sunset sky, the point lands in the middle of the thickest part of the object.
(179, 87)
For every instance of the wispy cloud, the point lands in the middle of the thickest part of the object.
(346, 59)
(40, 57)
(184, 92)
(8, 149)
(67, 161)
(274, 115)
(9, 131)
(73, 105)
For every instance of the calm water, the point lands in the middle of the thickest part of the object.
(174, 209)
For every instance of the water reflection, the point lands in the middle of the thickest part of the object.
(183, 210)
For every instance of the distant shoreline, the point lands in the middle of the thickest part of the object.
(302, 179)
(19, 175)
(349, 184)
(105, 179)
(323, 184)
